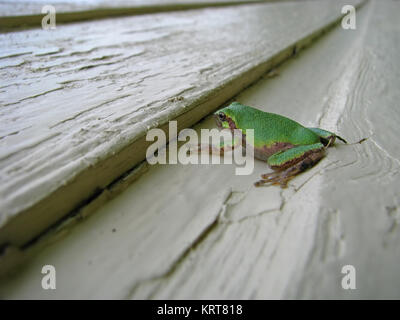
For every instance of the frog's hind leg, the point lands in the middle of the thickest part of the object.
(287, 164)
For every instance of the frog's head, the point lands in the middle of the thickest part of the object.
(225, 118)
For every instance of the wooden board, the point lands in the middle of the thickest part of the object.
(76, 102)
(24, 7)
(201, 232)
(19, 15)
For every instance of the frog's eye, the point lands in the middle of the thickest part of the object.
(222, 116)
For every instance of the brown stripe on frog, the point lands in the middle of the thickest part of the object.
(264, 152)
(313, 156)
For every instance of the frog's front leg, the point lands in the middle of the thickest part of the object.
(289, 163)
(216, 149)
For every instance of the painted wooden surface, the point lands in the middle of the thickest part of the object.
(76, 102)
(20, 15)
(202, 232)
(23, 7)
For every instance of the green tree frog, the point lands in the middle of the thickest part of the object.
(288, 147)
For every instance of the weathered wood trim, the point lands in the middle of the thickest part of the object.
(23, 22)
(30, 223)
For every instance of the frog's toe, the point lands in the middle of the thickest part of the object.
(273, 178)
(282, 183)
(269, 176)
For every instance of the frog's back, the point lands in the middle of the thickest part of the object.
(270, 128)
